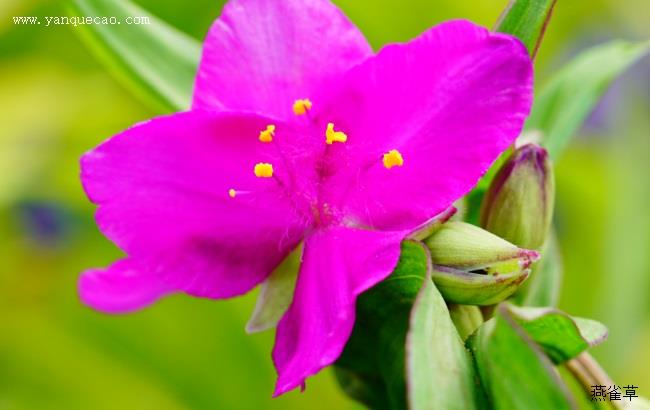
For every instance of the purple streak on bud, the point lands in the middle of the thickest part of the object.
(429, 227)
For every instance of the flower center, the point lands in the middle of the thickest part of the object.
(309, 199)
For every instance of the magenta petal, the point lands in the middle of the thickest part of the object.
(450, 101)
(123, 287)
(338, 264)
(262, 55)
(163, 193)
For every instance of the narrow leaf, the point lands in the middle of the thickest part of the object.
(514, 372)
(527, 20)
(568, 98)
(155, 60)
(561, 336)
(440, 373)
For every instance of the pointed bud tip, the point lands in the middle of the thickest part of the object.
(527, 257)
(534, 155)
(531, 151)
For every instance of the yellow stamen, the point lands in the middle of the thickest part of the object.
(332, 136)
(393, 158)
(301, 106)
(268, 134)
(263, 170)
(232, 193)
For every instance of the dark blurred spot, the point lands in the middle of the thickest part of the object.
(47, 223)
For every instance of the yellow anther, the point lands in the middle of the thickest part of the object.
(268, 134)
(332, 136)
(232, 193)
(301, 106)
(263, 170)
(393, 158)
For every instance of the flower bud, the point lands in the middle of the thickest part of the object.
(467, 247)
(518, 205)
(474, 267)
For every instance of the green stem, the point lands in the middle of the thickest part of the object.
(586, 370)
(466, 318)
(488, 311)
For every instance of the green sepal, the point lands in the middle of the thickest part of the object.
(469, 288)
(276, 294)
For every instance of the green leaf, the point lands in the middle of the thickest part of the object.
(527, 20)
(371, 367)
(275, 295)
(440, 373)
(155, 60)
(513, 370)
(571, 94)
(561, 336)
(469, 288)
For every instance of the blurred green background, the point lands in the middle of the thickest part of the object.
(57, 101)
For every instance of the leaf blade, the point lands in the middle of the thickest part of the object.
(568, 98)
(156, 61)
(371, 367)
(561, 336)
(513, 370)
(527, 20)
(440, 374)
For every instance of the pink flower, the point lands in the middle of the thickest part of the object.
(299, 132)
